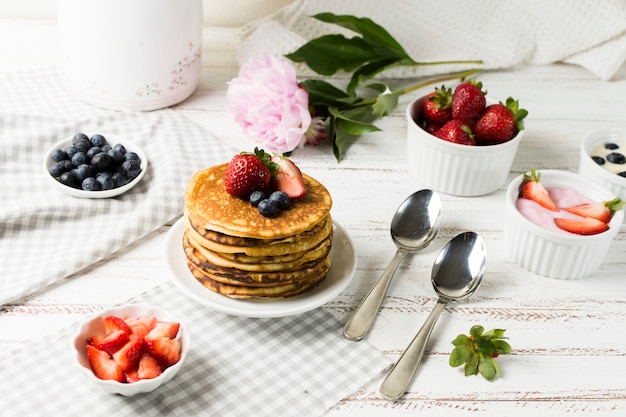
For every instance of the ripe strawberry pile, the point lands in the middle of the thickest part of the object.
(134, 348)
(593, 218)
(463, 116)
(248, 172)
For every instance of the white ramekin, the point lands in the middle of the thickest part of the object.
(589, 169)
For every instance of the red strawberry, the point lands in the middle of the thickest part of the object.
(582, 226)
(163, 329)
(456, 131)
(531, 188)
(499, 122)
(468, 100)
(149, 367)
(436, 108)
(602, 211)
(103, 366)
(128, 356)
(112, 342)
(141, 325)
(112, 323)
(248, 172)
(288, 177)
(167, 351)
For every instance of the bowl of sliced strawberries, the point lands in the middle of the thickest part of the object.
(462, 142)
(131, 349)
(560, 224)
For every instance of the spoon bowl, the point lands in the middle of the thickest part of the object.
(413, 227)
(457, 273)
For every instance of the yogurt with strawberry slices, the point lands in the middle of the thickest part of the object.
(543, 217)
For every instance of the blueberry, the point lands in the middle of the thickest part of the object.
(622, 174)
(70, 151)
(131, 169)
(132, 156)
(106, 147)
(79, 158)
(119, 179)
(268, 208)
(256, 197)
(84, 171)
(116, 156)
(105, 179)
(92, 151)
(598, 160)
(68, 178)
(60, 167)
(120, 148)
(82, 145)
(616, 158)
(58, 155)
(79, 136)
(611, 146)
(101, 162)
(90, 184)
(98, 140)
(281, 198)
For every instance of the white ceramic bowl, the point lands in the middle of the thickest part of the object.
(589, 169)
(452, 168)
(553, 254)
(95, 325)
(111, 140)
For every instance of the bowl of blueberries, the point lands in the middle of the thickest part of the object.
(603, 160)
(97, 166)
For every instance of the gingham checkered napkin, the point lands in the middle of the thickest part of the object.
(46, 234)
(292, 366)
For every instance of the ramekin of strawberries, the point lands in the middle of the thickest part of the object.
(462, 142)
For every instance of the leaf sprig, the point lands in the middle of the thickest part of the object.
(349, 114)
(479, 351)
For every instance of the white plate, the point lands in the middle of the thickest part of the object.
(111, 140)
(343, 267)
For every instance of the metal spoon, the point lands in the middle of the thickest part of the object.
(413, 227)
(457, 273)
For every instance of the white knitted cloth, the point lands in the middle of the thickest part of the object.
(503, 34)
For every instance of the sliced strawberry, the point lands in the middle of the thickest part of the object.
(112, 323)
(112, 342)
(531, 188)
(288, 177)
(167, 351)
(149, 367)
(103, 366)
(127, 358)
(582, 226)
(602, 211)
(132, 376)
(141, 325)
(163, 329)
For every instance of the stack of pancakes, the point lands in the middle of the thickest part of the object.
(235, 251)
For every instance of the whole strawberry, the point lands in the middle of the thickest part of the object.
(456, 131)
(468, 101)
(247, 172)
(499, 122)
(436, 108)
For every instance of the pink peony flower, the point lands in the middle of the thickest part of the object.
(268, 103)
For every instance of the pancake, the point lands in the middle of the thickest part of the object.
(212, 208)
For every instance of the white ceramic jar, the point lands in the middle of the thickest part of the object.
(132, 54)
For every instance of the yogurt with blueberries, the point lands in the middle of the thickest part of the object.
(611, 155)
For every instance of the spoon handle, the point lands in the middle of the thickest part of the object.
(363, 317)
(394, 385)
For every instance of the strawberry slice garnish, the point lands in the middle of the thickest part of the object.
(149, 367)
(127, 358)
(163, 329)
(531, 188)
(112, 342)
(112, 323)
(141, 325)
(166, 350)
(103, 366)
(602, 211)
(288, 177)
(582, 226)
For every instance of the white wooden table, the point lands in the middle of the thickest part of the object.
(568, 339)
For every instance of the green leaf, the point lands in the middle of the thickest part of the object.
(460, 340)
(485, 346)
(502, 347)
(494, 334)
(458, 356)
(385, 104)
(471, 366)
(477, 330)
(487, 370)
